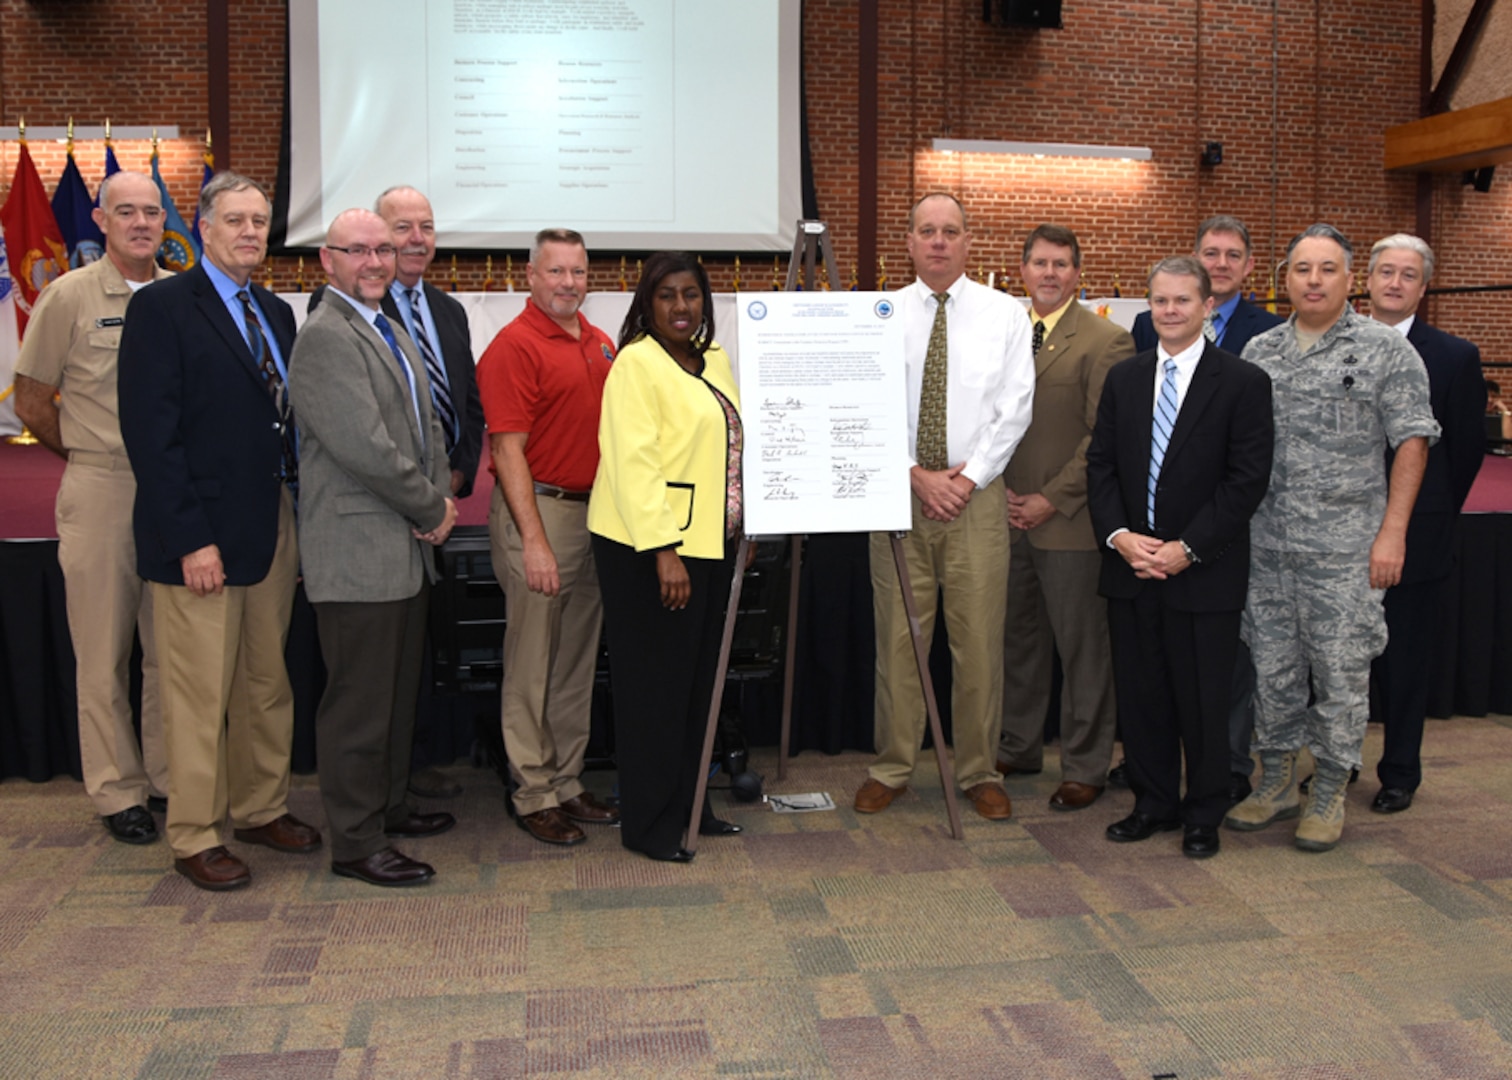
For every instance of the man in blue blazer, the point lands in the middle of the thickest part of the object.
(1400, 269)
(1223, 248)
(207, 425)
(1180, 458)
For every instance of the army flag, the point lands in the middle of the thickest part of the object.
(73, 209)
(33, 240)
(180, 250)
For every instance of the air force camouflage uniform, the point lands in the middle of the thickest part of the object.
(1311, 608)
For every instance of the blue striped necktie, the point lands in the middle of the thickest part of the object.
(440, 390)
(1160, 434)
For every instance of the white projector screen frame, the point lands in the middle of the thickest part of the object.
(642, 123)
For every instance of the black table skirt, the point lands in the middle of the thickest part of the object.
(833, 695)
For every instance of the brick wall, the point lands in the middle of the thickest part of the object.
(1167, 74)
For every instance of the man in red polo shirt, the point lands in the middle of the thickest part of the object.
(542, 382)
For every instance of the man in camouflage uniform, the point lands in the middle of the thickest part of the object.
(1327, 539)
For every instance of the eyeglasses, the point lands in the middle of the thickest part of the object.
(362, 251)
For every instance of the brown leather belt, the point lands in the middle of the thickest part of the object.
(551, 491)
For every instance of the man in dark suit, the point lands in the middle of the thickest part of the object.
(1179, 460)
(207, 424)
(375, 497)
(1400, 269)
(1223, 248)
(434, 319)
(1053, 604)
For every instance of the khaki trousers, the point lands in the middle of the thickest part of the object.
(228, 711)
(107, 605)
(967, 559)
(551, 646)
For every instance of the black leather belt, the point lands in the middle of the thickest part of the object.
(551, 491)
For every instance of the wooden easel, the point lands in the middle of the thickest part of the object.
(812, 240)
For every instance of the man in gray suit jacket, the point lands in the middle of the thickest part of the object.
(375, 489)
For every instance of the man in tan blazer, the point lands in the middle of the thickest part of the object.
(1052, 590)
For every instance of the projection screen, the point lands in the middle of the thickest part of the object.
(642, 123)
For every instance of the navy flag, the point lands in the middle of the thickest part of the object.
(73, 207)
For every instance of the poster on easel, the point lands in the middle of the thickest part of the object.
(822, 393)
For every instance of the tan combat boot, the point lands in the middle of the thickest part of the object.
(1275, 799)
(1323, 824)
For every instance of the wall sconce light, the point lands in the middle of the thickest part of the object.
(1040, 150)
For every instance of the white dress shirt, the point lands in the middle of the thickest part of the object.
(1186, 366)
(990, 375)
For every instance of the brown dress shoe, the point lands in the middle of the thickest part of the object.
(551, 826)
(387, 868)
(215, 869)
(991, 801)
(586, 808)
(875, 796)
(1073, 796)
(286, 833)
(421, 825)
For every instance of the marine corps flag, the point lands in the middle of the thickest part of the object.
(32, 238)
(179, 250)
(72, 207)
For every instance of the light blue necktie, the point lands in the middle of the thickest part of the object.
(1160, 434)
(383, 327)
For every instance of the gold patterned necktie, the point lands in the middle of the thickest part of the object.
(1039, 336)
(933, 446)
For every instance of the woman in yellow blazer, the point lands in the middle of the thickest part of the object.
(665, 515)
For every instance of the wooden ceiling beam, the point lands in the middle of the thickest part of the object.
(1473, 138)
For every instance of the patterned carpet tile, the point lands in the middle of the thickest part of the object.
(826, 945)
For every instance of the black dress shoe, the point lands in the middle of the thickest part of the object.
(1199, 841)
(158, 804)
(421, 825)
(713, 826)
(133, 825)
(1239, 789)
(387, 868)
(1138, 826)
(1391, 800)
(1118, 775)
(680, 855)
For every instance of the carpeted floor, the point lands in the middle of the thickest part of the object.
(814, 945)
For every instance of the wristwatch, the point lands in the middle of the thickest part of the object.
(1190, 554)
